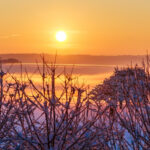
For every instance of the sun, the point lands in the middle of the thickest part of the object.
(61, 36)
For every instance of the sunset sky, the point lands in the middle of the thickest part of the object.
(95, 27)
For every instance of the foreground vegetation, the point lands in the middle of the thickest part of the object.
(114, 115)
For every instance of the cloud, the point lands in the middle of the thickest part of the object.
(9, 36)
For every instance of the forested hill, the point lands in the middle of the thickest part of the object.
(9, 60)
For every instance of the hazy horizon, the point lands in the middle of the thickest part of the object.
(78, 59)
(30, 53)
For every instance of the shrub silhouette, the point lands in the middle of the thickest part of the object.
(114, 115)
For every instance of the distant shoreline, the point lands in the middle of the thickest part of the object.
(9, 60)
(76, 59)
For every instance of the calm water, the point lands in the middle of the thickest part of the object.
(88, 74)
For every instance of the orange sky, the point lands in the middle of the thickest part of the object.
(97, 27)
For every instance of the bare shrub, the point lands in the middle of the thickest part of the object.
(67, 115)
(127, 95)
(51, 120)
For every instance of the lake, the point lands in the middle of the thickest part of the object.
(88, 74)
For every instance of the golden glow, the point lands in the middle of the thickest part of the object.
(100, 27)
(61, 36)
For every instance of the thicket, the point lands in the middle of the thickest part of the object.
(113, 115)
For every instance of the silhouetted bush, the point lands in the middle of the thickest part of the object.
(114, 115)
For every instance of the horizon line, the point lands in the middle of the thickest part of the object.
(67, 54)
